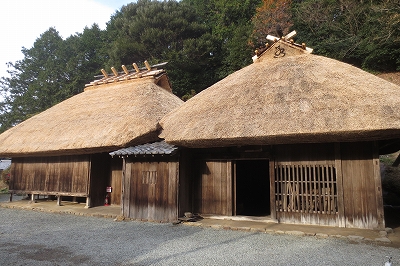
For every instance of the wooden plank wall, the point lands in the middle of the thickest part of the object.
(116, 180)
(213, 187)
(151, 190)
(68, 175)
(362, 194)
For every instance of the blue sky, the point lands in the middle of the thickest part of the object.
(24, 20)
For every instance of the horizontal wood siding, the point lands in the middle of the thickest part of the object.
(151, 190)
(213, 188)
(68, 175)
(362, 194)
(305, 184)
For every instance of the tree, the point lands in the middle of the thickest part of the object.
(36, 81)
(363, 33)
(51, 71)
(270, 16)
(230, 24)
(163, 31)
(86, 57)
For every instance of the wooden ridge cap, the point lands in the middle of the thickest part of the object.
(135, 73)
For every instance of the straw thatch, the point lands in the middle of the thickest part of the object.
(103, 119)
(289, 99)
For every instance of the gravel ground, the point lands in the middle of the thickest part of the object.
(38, 238)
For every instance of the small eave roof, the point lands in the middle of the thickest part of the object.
(156, 148)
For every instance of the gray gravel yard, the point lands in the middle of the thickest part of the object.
(39, 238)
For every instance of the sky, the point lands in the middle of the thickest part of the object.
(24, 20)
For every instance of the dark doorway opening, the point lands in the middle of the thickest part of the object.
(252, 188)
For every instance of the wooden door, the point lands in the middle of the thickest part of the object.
(150, 190)
(362, 189)
(213, 187)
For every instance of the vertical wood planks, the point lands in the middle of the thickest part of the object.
(153, 190)
(215, 188)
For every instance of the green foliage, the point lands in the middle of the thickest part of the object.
(163, 31)
(231, 26)
(390, 179)
(35, 83)
(5, 176)
(51, 71)
(363, 33)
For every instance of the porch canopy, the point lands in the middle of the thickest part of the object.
(114, 112)
(288, 96)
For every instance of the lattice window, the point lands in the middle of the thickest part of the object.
(306, 188)
(149, 177)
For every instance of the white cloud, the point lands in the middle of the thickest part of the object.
(24, 20)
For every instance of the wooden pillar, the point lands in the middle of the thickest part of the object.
(272, 189)
(378, 187)
(339, 182)
(59, 200)
(88, 203)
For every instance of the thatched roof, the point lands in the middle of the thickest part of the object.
(289, 97)
(103, 118)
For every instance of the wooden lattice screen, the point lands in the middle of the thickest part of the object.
(306, 188)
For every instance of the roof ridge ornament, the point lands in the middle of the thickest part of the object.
(288, 39)
(127, 74)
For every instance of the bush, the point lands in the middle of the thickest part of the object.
(390, 180)
(5, 176)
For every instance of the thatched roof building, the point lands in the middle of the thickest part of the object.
(288, 96)
(113, 112)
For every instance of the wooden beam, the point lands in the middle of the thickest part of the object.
(104, 73)
(125, 69)
(136, 67)
(290, 35)
(114, 71)
(147, 65)
(272, 38)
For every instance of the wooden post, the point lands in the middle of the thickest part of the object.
(125, 69)
(59, 200)
(378, 187)
(136, 67)
(88, 203)
(11, 195)
(272, 192)
(147, 65)
(339, 183)
(104, 73)
(33, 197)
(234, 207)
(114, 71)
